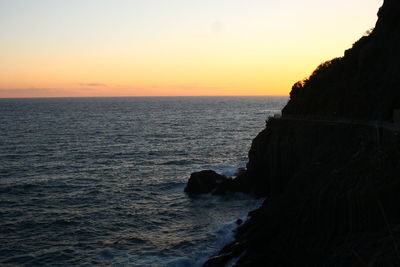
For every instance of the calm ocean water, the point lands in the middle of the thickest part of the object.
(90, 181)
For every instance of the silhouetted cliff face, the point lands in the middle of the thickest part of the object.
(330, 167)
(364, 84)
(332, 187)
(287, 148)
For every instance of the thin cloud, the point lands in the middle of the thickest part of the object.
(21, 91)
(97, 89)
(36, 92)
(94, 84)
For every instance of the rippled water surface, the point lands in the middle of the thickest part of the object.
(100, 180)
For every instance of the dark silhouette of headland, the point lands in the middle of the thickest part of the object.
(329, 167)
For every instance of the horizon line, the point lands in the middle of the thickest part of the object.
(144, 96)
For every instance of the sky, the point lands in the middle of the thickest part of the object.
(79, 48)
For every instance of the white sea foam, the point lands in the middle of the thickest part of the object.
(225, 235)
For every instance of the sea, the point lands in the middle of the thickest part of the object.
(100, 181)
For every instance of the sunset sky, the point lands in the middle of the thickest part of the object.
(71, 48)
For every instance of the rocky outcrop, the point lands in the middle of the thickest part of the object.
(330, 167)
(207, 181)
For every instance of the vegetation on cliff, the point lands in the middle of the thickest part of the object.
(363, 84)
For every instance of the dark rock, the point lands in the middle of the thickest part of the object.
(205, 182)
(218, 261)
(226, 254)
(239, 221)
(209, 181)
(223, 187)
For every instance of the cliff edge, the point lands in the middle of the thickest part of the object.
(330, 166)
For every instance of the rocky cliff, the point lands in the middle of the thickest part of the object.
(330, 167)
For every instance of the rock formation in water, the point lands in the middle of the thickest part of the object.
(330, 166)
(207, 181)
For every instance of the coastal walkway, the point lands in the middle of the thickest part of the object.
(340, 121)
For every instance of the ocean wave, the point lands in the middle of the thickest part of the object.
(101, 181)
(222, 236)
(182, 162)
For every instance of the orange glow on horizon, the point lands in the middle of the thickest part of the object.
(180, 49)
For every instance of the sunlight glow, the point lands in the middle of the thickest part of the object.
(168, 48)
